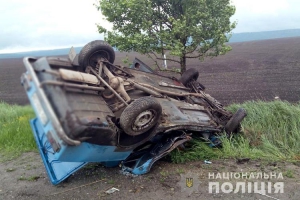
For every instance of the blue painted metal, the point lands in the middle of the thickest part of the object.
(142, 169)
(139, 168)
(65, 160)
(57, 170)
(87, 152)
(78, 156)
(214, 141)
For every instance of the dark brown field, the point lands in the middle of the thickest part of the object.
(255, 70)
(251, 71)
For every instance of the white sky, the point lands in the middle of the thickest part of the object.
(46, 24)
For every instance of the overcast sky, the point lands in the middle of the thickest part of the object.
(46, 24)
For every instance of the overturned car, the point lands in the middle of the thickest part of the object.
(90, 110)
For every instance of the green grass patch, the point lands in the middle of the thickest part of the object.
(30, 178)
(15, 133)
(271, 131)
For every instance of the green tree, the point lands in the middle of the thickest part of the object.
(180, 28)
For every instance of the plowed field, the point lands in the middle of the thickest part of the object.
(251, 71)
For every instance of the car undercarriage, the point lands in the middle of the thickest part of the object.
(95, 111)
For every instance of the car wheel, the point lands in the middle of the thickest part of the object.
(140, 116)
(94, 50)
(233, 125)
(188, 76)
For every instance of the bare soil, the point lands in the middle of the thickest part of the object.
(26, 178)
(251, 71)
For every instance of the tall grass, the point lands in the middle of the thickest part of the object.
(15, 132)
(271, 131)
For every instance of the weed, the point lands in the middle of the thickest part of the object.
(111, 182)
(197, 150)
(275, 126)
(15, 133)
(180, 171)
(271, 132)
(10, 170)
(289, 173)
(164, 173)
(162, 179)
(28, 167)
(31, 178)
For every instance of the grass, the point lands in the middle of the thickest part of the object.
(289, 173)
(30, 178)
(271, 131)
(15, 133)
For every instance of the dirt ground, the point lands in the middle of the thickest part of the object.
(251, 71)
(26, 178)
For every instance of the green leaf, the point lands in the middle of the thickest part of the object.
(185, 29)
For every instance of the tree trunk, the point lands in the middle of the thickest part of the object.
(183, 64)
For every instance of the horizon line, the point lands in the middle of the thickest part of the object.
(23, 50)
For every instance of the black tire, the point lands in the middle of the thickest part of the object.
(145, 110)
(90, 53)
(188, 76)
(233, 124)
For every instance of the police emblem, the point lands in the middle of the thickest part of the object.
(189, 182)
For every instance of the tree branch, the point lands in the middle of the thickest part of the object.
(148, 54)
(169, 59)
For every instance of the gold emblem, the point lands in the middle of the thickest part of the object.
(189, 182)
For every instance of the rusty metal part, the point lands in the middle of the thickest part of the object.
(61, 62)
(196, 86)
(107, 72)
(147, 90)
(84, 87)
(193, 128)
(116, 83)
(108, 96)
(70, 75)
(215, 107)
(100, 67)
(176, 142)
(123, 92)
(118, 107)
(119, 68)
(56, 124)
(191, 108)
(171, 93)
(107, 85)
(164, 84)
